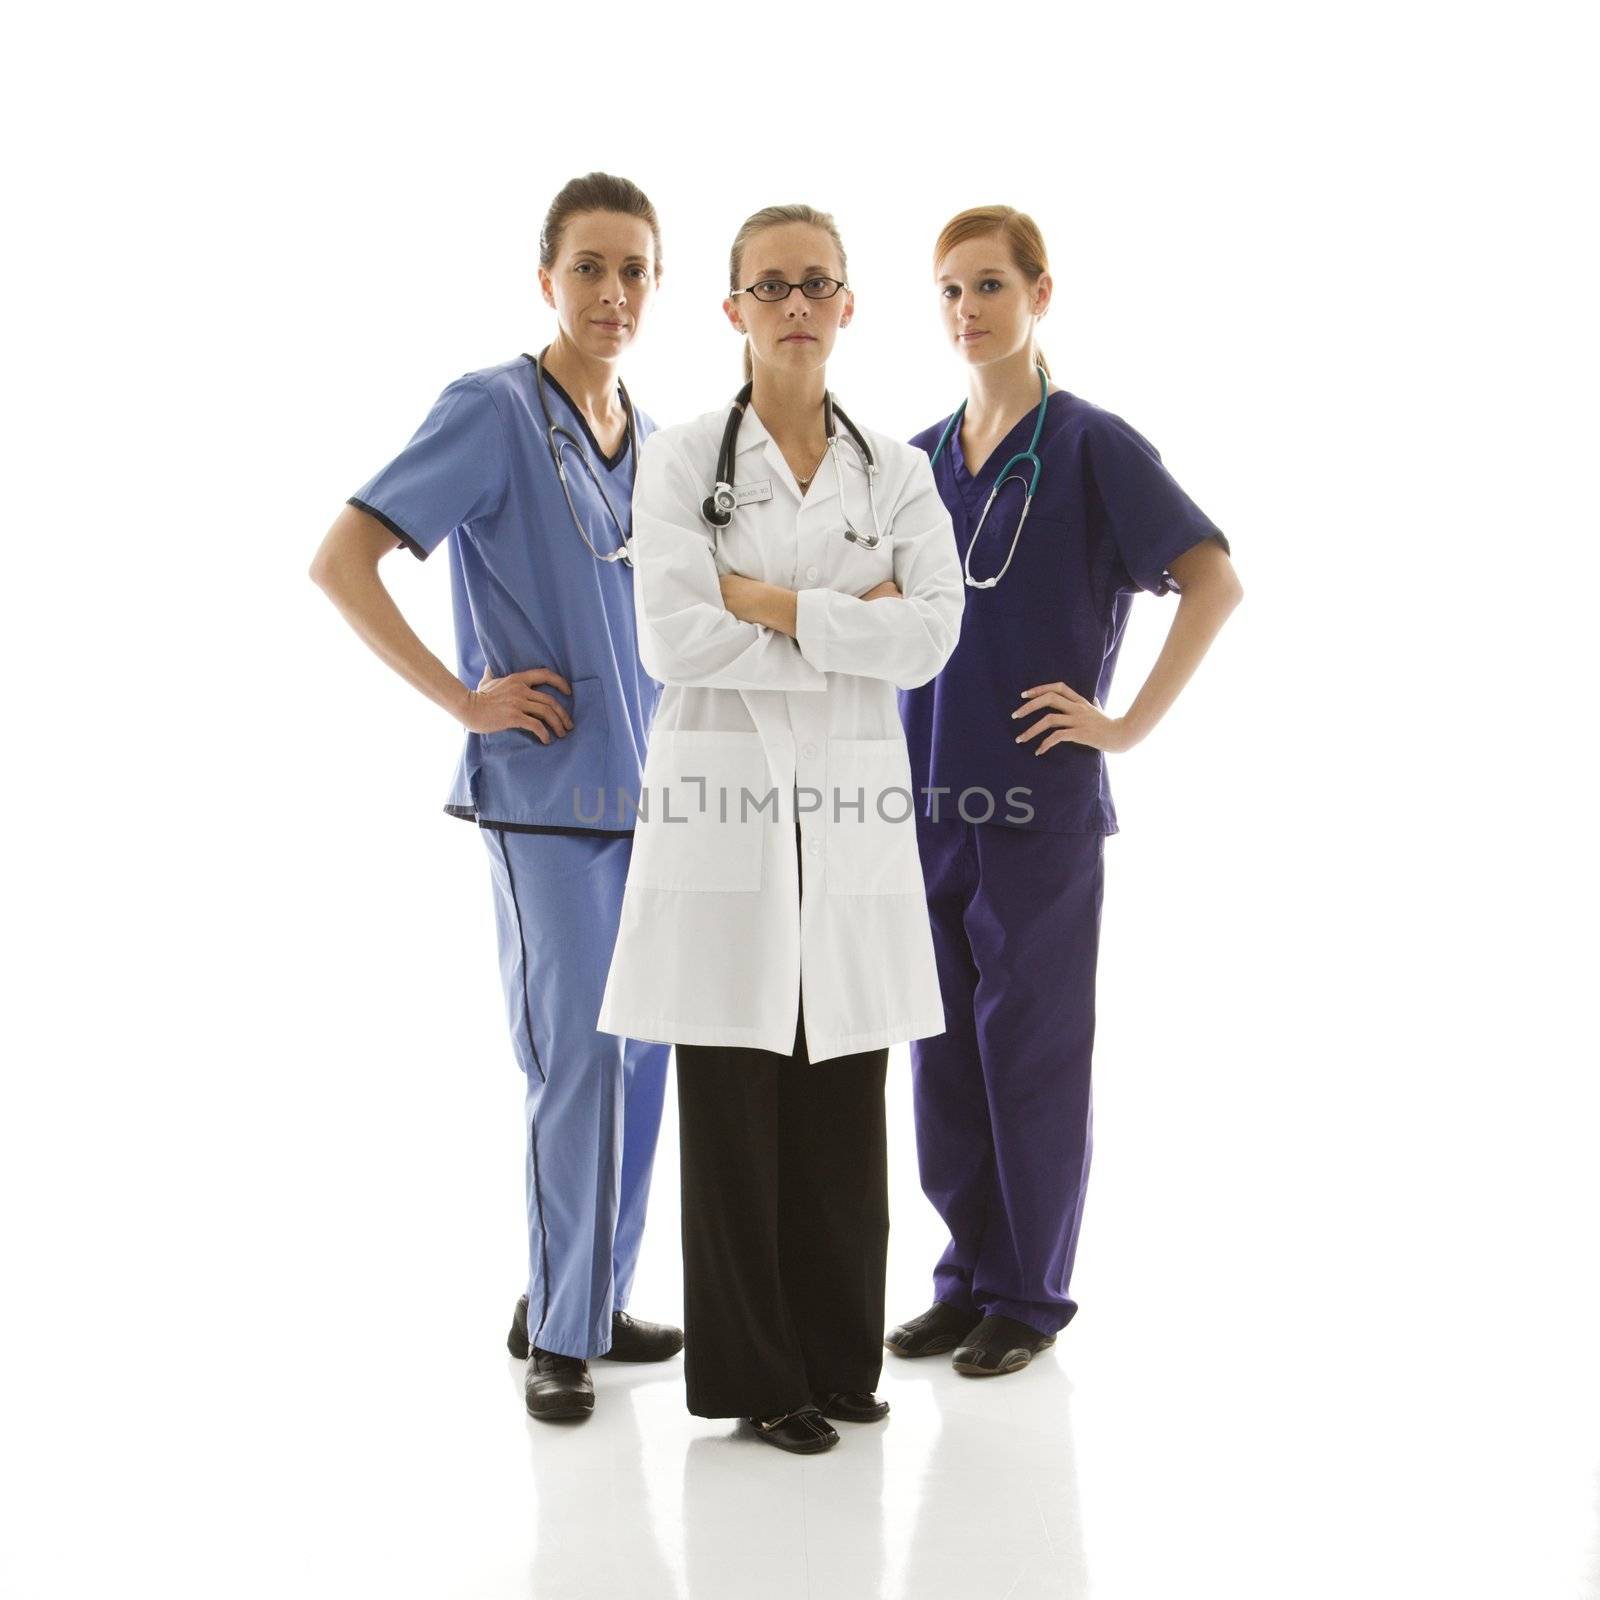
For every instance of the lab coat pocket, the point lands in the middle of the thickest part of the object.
(705, 800)
(868, 814)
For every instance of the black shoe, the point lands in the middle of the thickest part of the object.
(642, 1341)
(940, 1328)
(630, 1340)
(999, 1345)
(517, 1339)
(852, 1405)
(804, 1432)
(557, 1386)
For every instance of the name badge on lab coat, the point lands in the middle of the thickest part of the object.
(745, 494)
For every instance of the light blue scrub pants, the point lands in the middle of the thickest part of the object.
(593, 1106)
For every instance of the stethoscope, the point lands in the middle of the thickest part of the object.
(1028, 457)
(559, 438)
(719, 505)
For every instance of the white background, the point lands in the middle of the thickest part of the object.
(259, 1149)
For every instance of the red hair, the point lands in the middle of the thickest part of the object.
(1020, 233)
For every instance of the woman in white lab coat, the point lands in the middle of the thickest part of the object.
(774, 927)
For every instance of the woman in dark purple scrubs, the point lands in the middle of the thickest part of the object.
(1008, 748)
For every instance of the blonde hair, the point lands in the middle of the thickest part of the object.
(1022, 239)
(775, 217)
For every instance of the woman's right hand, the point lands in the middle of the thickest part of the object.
(514, 702)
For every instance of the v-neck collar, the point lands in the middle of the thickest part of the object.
(611, 462)
(753, 434)
(1003, 451)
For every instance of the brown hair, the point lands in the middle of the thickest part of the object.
(595, 191)
(1022, 238)
(774, 217)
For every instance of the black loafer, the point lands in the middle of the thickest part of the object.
(999, 1345)
(803, 1432)
(939, 1329)
(557, 1387)
(852, 1405)
(630, 1340)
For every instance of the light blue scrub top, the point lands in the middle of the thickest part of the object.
(527, 593)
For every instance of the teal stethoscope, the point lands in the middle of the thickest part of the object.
(559, 439)
(1029, 458)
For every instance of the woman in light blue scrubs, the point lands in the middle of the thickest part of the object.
(1008, 749)
(556, 706)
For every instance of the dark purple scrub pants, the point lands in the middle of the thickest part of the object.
(1004, 1126)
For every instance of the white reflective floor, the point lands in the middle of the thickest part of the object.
(1300, 1414)
(1111, 1468)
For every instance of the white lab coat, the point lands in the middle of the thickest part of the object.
(715, 945)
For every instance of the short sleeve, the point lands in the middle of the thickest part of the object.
(453, 470)
(1150, 519)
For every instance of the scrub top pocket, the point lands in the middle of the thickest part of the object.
(869, 810)
(1047, 577)
(571, 776)
(707, 797)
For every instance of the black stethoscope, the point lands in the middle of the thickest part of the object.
(559, 438)
(719, 505)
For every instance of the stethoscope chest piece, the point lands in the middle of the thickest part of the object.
(718, 507)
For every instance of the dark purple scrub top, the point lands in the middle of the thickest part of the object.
(1107, 520)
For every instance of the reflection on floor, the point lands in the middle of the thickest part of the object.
(968, 1489)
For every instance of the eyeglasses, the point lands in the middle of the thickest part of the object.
(770, 289)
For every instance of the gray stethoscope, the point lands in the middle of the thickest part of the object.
(1028, 457)
(718, 507)
(559, 438)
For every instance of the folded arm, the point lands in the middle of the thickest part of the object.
(687, 635)
(905, 640)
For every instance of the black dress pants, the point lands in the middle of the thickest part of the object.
(785, 1226)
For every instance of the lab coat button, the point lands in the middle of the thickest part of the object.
(809, 751)
(811, 574)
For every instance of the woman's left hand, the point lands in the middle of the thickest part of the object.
(1069, 719)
